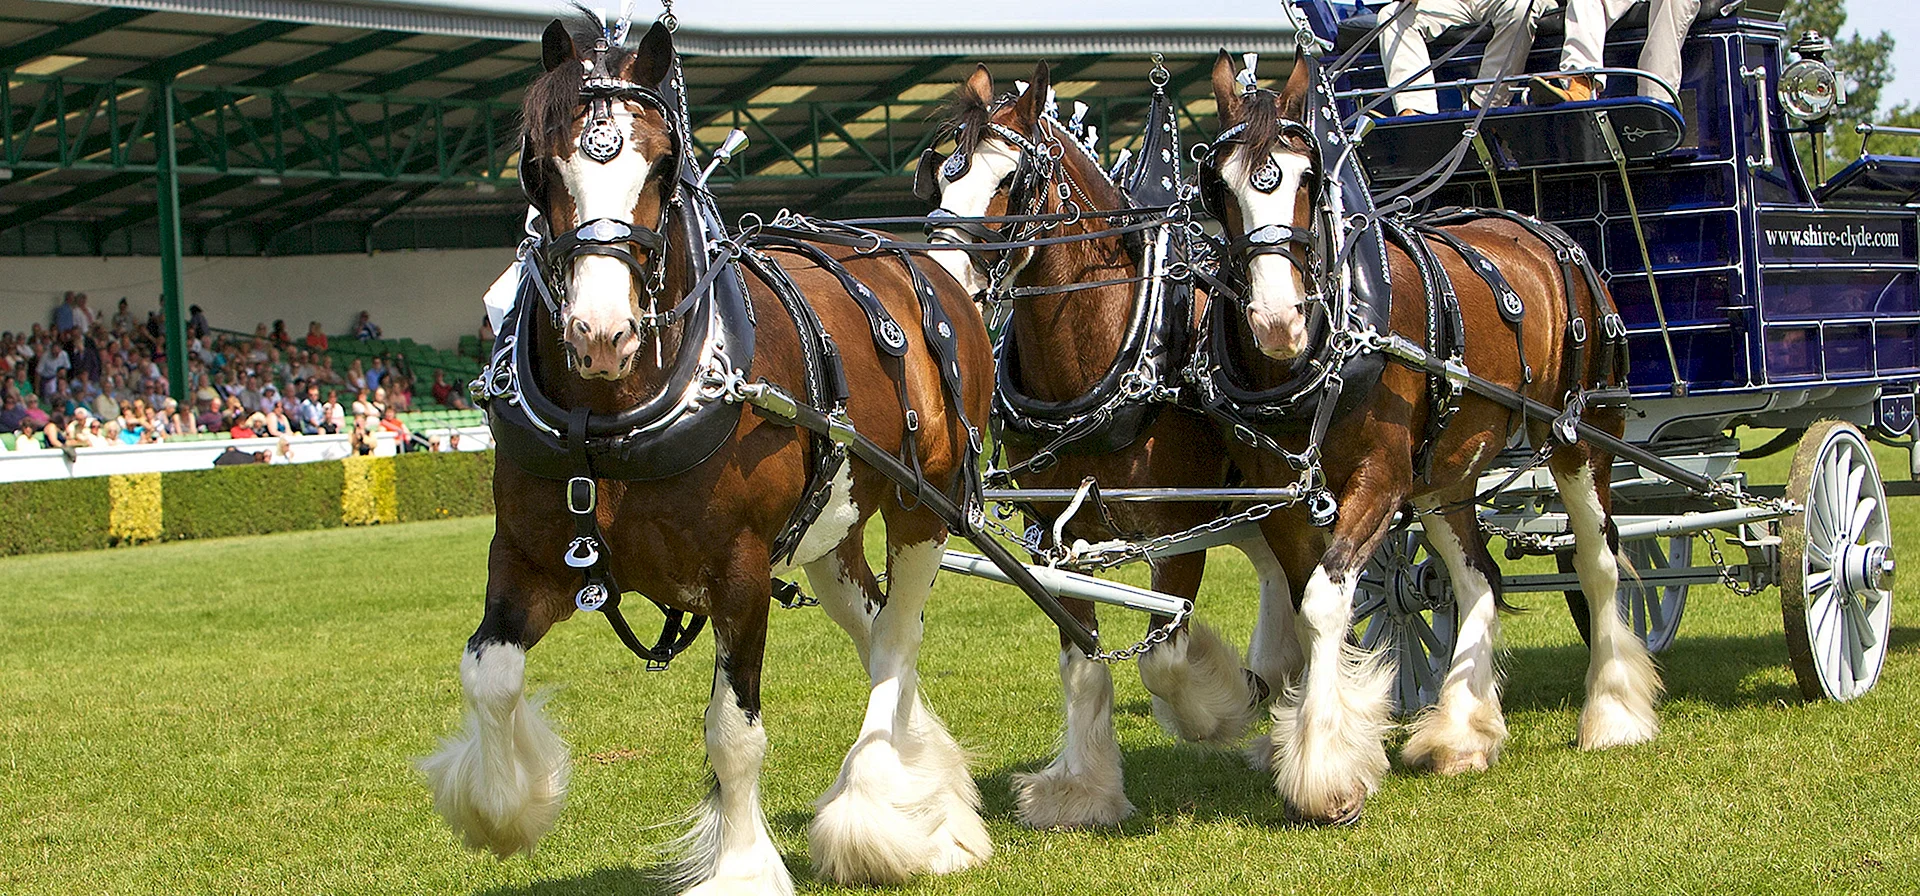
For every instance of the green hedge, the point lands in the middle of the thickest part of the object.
(251, 499)
(433, 486)
(56, 515)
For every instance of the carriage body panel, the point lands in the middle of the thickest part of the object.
(1784, 302)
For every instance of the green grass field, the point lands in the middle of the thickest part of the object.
(239, 716)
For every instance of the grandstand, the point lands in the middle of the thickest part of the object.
(305, 159)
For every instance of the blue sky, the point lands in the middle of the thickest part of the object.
(1902, 20)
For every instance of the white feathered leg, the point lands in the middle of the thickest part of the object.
(1083, 786)
(729, 849)
(1200, 692)
(1622, 683)
(903, 802)
(501, 781)
(1327, 731)
(1273, 653)
(1465, 729)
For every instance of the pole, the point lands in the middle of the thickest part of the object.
(167, 204)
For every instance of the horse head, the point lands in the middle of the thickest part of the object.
(1261, 181)
(1005, 154)
(599, 158)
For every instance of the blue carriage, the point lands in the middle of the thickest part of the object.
(1756, 293)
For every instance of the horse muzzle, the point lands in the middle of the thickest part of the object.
(604, 349)
(1279, 332)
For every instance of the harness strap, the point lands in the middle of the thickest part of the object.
(887, 335)
(588, 553)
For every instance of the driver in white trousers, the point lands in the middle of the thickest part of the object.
(1587, 24)
(1403, 44)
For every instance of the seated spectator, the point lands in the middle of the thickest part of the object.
(1403, 46)
(26, 436)
(210, 418)
(282, 451)
(452, 442)
(376, 374)
(82, 429)
(336, 416)
(356, 377)
(11, 410)
(278, 424)
(316, 340)
(33, 413)
(53, 362)
(133, 427)
(401, 395)
(1587, 25)
(203, 390)
(253, 426)
(82, 315)
(365, 329)
(362, 440)
(123, 318)
(156, 327)
(234, 413)
(280, 336)
(311, 415)
(441, 388)
(403, 439)
(380, 404)
(64, 318)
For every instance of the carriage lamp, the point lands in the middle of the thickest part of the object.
(1809, 89)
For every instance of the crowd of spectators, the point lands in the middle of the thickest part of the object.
(97, 379)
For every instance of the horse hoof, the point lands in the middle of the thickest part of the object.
(1460, 763)
(1342, 813)
(1052, 800)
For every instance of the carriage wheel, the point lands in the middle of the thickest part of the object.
(1403, 604)
(1836, 565)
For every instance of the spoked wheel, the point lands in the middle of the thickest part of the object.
(1654, 610)
(1836, 565)
(1403, 604)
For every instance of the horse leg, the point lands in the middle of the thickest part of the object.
(1200, 692)
(904, 801)
(1622, 683)
(1328, 754)
(844, 584)
(1273, 653)
(502, 780)
(1463, 732)
(729, 849)
(1082, 786)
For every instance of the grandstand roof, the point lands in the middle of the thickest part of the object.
(315, 126)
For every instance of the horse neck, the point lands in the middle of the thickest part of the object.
(1068, 341)
(569, 390)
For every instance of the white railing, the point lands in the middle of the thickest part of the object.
(168, 457)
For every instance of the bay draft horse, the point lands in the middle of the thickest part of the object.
(1014, 158)
(903, 802)
(1326, 748)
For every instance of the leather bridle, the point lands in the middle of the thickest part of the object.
(1305, 247)
(624, 241)
(1026, 196)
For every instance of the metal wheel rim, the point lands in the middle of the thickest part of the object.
(1403, 608)
(1837, 637)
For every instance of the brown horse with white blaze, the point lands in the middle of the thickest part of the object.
(1076, 324)
(605, 145)
(1325, 750)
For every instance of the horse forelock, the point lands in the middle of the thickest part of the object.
(965, 117)
(1264, 136)
(552, 103)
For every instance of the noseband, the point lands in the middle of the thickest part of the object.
(1304, 247)
(1025, 197)
(601, 141)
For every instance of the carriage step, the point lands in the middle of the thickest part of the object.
(1072, 584)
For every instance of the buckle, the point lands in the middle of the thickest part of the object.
(1578, 327)
(582, 495)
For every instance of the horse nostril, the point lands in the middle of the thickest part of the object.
(580, 327)
(586, 361)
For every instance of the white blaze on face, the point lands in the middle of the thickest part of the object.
(968, 197)
(601, 291)
(1276, 304)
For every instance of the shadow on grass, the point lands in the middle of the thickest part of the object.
(1719, 671)
(652, 880)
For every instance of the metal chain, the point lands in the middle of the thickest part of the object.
(1727, 578)
(1153, 638)
(1527, 541)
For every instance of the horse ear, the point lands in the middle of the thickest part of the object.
(1034, 101)
(654, 59)
(556, 46)
(1293, 98)
(980, 85)
(1226, 90)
